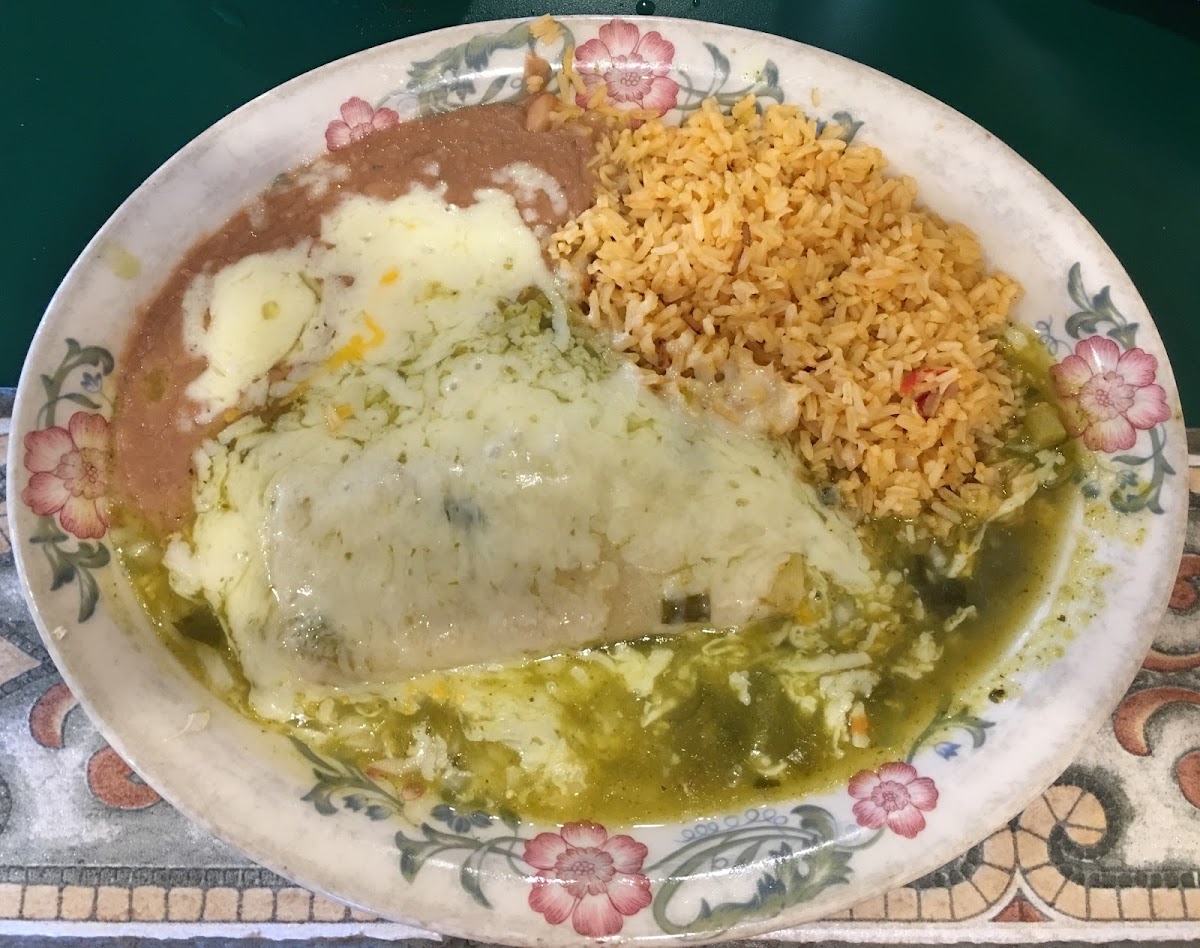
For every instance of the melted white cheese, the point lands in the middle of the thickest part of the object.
(465, 488)
(243, 321)
(389, 280)
(526, 180)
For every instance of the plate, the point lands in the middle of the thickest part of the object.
(328, 825)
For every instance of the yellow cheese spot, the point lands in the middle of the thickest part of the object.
(390, 277)
(270, 309)
(335, 415)
(357, 348)
(805, 614)
(294, 393)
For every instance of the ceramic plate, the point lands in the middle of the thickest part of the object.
(329, 826)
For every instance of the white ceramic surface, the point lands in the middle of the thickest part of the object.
(468, 874)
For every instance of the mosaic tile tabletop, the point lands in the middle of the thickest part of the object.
(1111, 852)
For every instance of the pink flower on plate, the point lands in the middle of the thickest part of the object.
(358, 121)
(587, 876)
(1107, 395)
(632, 67)
(69, 468)
(894, 796)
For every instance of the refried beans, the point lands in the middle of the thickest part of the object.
(154, 433)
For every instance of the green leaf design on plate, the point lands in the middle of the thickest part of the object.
(1096, 312)
(341, 781)
(1133, 493)
(720, 64)
(443, 81)
(801, 861)
(693, 95)
(847, 123)
(69, 564)
(77, 357)
(476, 852)
(846, 120)
(946, 723)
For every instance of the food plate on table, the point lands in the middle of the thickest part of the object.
(598, 478)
